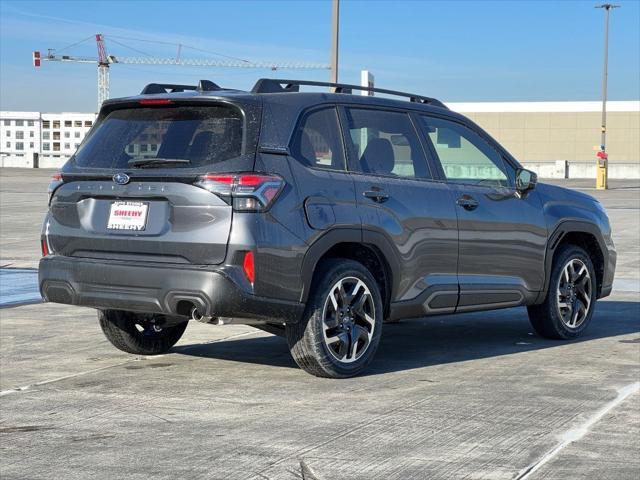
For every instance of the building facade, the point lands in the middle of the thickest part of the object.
(560, 139)
(44, 140)
(20, 134)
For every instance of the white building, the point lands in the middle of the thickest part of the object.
(46, 140)
(20, 138)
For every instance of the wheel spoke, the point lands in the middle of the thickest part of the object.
(331, 322)
(343, 346)
(334, 301)
(572, 271)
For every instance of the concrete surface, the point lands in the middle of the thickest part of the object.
(468, 396)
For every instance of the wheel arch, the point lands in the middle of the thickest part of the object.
(372, 250)
(583, 234)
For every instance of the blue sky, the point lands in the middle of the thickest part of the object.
(453, 50)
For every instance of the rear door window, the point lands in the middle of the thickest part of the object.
(317, 141)
(385, 143)
(198, 135)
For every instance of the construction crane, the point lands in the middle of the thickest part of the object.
(104, 61)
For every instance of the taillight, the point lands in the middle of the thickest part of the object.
(44, 246)
(247, 192)
(56, 181)
(248, 267)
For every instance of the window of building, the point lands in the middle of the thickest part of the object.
(19, 135)
(464, 155)
(67, 123)
(88, 123)
(76, 134)
(56, 135)
(46, 135)
(46, 146)
(77, 123)
(19, 123)
(19, 145)
(8, 134)
(56, 124)
(67, 146)
(56, 147)
(31, 145)
(76, 145)
(31, 134)
(317, 140)
(31, 123)
(7, 123)
(8, 144)
(385, 143)
(67, 134)
(46, 124)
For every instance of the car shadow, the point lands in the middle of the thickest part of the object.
(437, 340)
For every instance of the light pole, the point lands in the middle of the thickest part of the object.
(602, 175)
(335, 31)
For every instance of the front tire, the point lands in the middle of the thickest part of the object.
(340, 330)
(571, 296)
(138, 333)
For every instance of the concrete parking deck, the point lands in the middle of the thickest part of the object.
(469, 396)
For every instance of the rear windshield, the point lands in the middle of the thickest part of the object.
(196, 136)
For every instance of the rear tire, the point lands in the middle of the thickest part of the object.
(571, 296)
(340, 329)
(137, 333)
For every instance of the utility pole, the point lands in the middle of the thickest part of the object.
(602, 175)
(335, 32)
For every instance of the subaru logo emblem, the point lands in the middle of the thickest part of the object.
(121, 178)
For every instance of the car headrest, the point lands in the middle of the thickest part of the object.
(378, 157)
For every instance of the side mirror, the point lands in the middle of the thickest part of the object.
(525, 180)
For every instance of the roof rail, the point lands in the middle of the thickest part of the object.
(270, 85)
(203, 86)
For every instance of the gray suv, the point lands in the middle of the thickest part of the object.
(316, 216)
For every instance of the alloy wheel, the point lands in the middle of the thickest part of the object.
(348, 319)
(574, 293)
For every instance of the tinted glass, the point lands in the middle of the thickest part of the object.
(317, 140)
(464, 155)
(206, 136)
(385, 143)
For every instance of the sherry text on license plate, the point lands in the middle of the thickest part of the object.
(128, 215)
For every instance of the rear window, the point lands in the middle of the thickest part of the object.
(197, 135)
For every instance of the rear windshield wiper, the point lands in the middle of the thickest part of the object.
(155, 162)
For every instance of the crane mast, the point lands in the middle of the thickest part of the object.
(103, 71)
(104, 61)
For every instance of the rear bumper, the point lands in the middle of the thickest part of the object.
(160, 289)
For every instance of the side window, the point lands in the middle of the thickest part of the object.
(464, 155)
(317, 140)
(385, 143)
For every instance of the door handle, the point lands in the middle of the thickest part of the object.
(376, 195)
(468, 202)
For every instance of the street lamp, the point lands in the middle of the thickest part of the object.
(602, 175)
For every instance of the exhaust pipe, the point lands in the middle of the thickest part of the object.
(199, 317)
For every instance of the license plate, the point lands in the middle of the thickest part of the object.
(128, 216)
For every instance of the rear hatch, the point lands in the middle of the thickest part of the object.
(129, 193)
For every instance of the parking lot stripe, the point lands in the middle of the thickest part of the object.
(577, 433)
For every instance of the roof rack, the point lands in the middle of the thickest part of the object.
(203, 86)
(270, 85)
